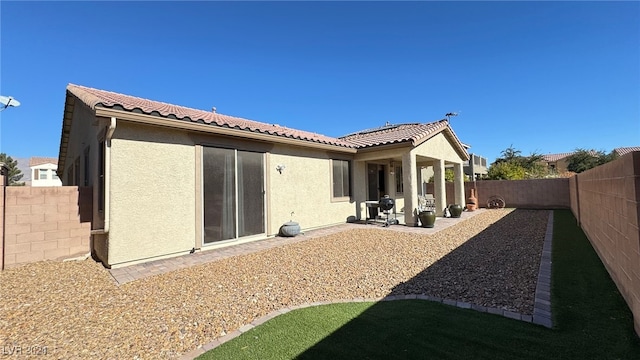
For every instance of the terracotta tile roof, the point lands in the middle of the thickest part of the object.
(35, 161)
(101, 98)
(625, 150)
(392, 134)
(556, 157)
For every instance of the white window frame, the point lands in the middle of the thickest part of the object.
(346, 197)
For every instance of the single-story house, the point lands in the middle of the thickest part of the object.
(557, 162)
(168, 179)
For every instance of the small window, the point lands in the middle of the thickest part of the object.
(399, 180)
(42, 174)
(341, 174)
(55, 175)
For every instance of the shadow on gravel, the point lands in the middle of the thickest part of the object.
(496, 268)
(591, 319)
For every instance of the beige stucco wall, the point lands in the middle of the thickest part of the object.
(438, 147)
(304, 187)
(152, 196)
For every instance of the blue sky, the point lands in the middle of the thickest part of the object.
(545, 77)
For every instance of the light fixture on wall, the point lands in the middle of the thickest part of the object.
(392, 168)
(280, 168)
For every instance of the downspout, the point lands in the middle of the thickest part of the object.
(107, 173)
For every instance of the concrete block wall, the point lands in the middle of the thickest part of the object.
(45, 223)
(606, 202)
(533, 194)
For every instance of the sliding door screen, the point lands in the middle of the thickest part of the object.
(233, 194)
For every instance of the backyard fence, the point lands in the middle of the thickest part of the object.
(527, 194)
(44, 223)
(606, 202)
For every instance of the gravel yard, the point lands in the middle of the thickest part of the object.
(76, 310)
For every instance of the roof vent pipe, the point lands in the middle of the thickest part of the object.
(213, 109)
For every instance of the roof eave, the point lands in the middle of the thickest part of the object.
(67, 116)
(213, 129)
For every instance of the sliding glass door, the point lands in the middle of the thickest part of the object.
(233, 194)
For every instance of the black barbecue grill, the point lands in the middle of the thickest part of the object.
(386, 204)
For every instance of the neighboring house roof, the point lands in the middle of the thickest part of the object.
(625, 150)
(415, 133)
(100, 98)
(35, 161)
(556, 157)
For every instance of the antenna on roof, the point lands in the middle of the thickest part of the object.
(7, 101)
(448, 115)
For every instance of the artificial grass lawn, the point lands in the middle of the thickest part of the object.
(591, 321)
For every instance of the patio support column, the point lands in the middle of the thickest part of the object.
(439, 189)
(410, 187)
(459, 185)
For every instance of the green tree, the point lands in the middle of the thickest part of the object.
(509, 154)
(582, 159)
(14, 175)
(513, 166)
(506, 170)
(449, 176)
(535, 166)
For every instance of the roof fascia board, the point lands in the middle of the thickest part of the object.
(368, 149)
(191, 126)
(67, 116)
(383, 152)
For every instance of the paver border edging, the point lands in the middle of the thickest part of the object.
(542, 302)
(541, 309)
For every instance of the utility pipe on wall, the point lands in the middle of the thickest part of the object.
(107, 173)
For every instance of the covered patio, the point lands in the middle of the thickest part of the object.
(397, 160)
